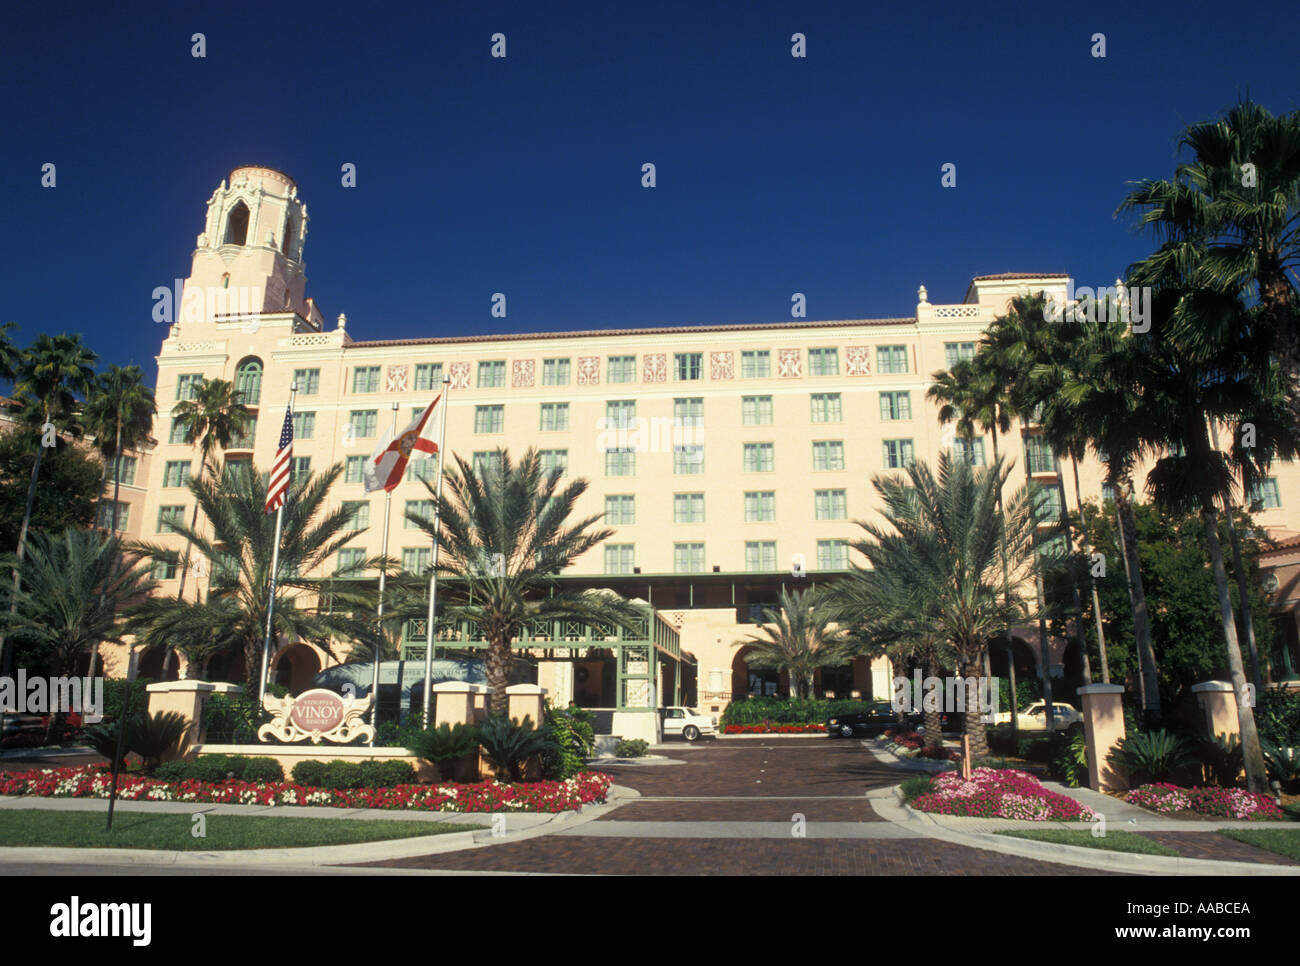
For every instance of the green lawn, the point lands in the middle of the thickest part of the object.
(1112, 842)
(152, 830)
(1283, 841)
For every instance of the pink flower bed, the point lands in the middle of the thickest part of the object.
(908, 739)
(999, 793)
(1217, 802)
(93, 781)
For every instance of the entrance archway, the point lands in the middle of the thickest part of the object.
(295, 667)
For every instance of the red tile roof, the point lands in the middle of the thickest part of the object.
(1012, 276)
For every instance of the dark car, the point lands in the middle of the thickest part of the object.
(879, 719)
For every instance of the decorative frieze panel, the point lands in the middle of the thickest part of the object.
(522, 373)
(459, 375)
(588, 370)
(857, 360)
(656, 367)
(398, 379)
(789, 363)
(722, 365)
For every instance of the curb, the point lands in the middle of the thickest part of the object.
(886, 757)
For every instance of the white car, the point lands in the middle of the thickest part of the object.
(1034, 718)
(687, 723)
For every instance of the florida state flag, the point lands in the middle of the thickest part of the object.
(388, 462)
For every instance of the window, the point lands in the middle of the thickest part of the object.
(891, 358)
(756, 410)
(164, 570)
(308, 381)
(237, 472)
(167, 515)
(688, 558)
(619, 558)
(759, 458)
(826, 407)
(421, 510)
(555, 372)
(620, 461)
(486, 461)
(620, 413)
(830, 505)
(688, 412)
(179, 431)
(1107, 493)
(245, 439)
(427, 376)
(823, 362)
(489, 419)
(492, 375)
(358, 512)
(898, 454)
(620, 510)
(688, 460)
(760, 555)
(828, 454)
(422, 469)
(895, 406)
(969, 451)
(1039, 455)
(125, 470)
(621, 369)
(555, 417)
(555, 459)
(688, 508)
(176, 473)
(186, 385)
(955, 352)
(416, 560)
(365, 379)
(248, 380)
(300, 468)
(688, 366)
(1265, 492)
(350, 561)
(304, 425)
(355, 470)
(362, 423)
(756, 364)
(832, 555)
(1047, 509)
(760, 507)
(104, 514)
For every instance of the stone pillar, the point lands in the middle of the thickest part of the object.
(188, 698)
(1103, 726)
(454, 702)
(525, 699)
(1218, 706)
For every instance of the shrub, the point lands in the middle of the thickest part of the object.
(1283, 764)
(444, 742)
(342, 774)
(790, 710)
(508, 744)
(573, 740)
(309, 773)
(386, 774)
(261, 770)
(631, 748)
(916, 786)
(115, 693)
(1152, 756)
(391, 734)
(1070, 766)
(1277, 716)
(220, 768)
(231, 720)
(1223, 756)
(153, 735)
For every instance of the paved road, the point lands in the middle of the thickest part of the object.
(734, 808)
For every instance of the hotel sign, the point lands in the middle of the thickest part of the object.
(316, 715)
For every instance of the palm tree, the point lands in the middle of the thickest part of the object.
(934, 568)
(799, 636)
(72, 591)
(505, 535)
(213, 417)
(239, 552)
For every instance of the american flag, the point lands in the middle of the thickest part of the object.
(278, 487)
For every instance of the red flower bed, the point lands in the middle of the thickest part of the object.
(1218, 802)
(939, 753)
(908, 739)
(773, 728)
(93, 781)
(1005, 793)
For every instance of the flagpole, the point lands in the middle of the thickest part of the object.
(275, 573)
(383, 574)
(433, 570)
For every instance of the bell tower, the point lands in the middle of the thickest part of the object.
(248, 259)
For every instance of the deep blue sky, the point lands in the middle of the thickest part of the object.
(522, 175)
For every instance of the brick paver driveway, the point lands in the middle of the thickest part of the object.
(731, 809)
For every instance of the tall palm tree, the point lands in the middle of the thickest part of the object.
(799, 636)
(212, 418)
(505, 535)
(934, 566)
(239, 551)
(71, 595)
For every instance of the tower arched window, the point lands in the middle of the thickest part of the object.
(248, 380)
(287, 247)
(237, 225)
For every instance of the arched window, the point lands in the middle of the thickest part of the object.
(288, 237)
(248, 380)
(237, 224)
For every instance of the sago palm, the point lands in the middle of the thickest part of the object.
(799, 636)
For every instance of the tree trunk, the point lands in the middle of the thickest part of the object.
(498, 675)
(1011, 673)
(185, 563)
(6, 648)
(1243, 589)
(1080, 634)
(1096, 601)
(1006, 589)
(974, 724)
(932, 720)
(1137, 598)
